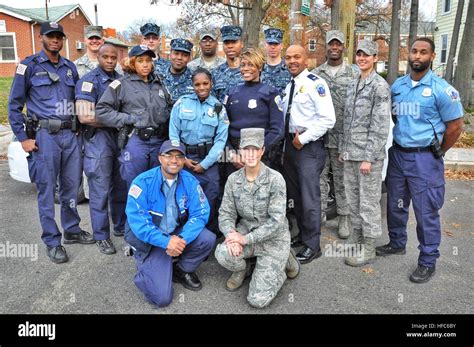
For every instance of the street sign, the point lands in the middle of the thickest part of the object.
(305, 7)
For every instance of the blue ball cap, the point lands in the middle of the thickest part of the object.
(140, 50)
(169, 146)
(150, 28)
(273, 35)
(231, 33)
(181, 45)
(51, 27)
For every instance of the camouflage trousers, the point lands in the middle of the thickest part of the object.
(269, 274)
(363, 194)
(338, 177)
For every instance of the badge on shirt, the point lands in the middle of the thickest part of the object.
(252, 103)
(87, 87)
(321, 90)
(453, 93)
(302, 89)
(21, 69)
(426, 92)
(69, 73)
(161, 94)
(225, 99)
(210, 112)
(115, 84)
(135, 191)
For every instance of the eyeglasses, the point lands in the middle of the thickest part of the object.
(174, 156)
(207, 40)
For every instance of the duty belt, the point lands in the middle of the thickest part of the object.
(146, 133)
(412, 149)
(201, 149)
(54, 125)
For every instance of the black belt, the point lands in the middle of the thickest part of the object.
(412, 149)
(66, 124)
(146, 133)
(201, 149)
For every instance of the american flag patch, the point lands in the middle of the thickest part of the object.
(135, 191)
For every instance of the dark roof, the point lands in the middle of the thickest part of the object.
(364, 27)
(39, 14)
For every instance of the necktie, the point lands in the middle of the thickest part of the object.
(288, 111)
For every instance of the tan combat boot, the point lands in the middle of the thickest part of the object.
(237, 278)
(365, 257)
(292, 266)
(344, 227)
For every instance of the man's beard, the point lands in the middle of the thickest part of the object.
(421, 67)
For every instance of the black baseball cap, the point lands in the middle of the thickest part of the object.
(51, 27)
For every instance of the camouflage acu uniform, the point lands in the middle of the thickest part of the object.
(224, 78)
(177, 87)
(257, 210)
(84, 65)
(366, 125)
(199, 62)
(276, 76)
(338, 84)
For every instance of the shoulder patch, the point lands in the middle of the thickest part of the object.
(321, 90)
(202, 196)
(135, 191)
(115, 84)
(279, 102)
(312, 77)
(21, 69)
(87, 87)
(453, 94)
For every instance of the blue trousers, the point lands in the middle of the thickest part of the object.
(302, 169)
(58, 155)
(416, 177)
(106, 186)
(154, 274)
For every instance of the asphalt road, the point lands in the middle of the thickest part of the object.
(95, 283)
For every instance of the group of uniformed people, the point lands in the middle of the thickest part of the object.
(159, 143)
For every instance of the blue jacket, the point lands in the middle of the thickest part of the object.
(146, 205)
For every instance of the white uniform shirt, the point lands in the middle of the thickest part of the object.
(312, 111)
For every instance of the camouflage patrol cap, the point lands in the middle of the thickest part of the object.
(231, 33)
(93, 30)
(208, 32)
(368, 47)
(150, 28)
(252, 137)
(335, 35)
(182, 45)
(273, 35)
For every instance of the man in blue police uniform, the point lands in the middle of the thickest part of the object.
(177, 78)
(101, 153)
(45, 82)
(228, 74)
(309, 114)
(427, 112)
(151, 38)
(275, 73)
(167, 211)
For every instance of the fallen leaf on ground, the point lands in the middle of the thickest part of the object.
(462, 175)
(368, 270)
(449, 233)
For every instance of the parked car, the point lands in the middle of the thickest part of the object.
(19, 169)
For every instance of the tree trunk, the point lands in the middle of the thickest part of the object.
(454, 43)
(252, 20)
(464, 69)
(413, 26)
(394, 43)
(335, 15)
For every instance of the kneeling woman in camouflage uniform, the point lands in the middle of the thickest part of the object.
(253, 219)
(362, 148)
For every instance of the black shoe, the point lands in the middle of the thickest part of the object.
(82, 237)
(385, 250)
(119, 233)
(189, 280)
(422, 274)
(296, 242)
(307, 255)
(57, 254)
(106, 246)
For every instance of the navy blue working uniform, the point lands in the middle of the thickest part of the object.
(413, 172)
(223, 79)
(276, 76)
(204, 132)
(254, 105)
(145, 106)
(156, 210)
(48, 91)
(101, 164)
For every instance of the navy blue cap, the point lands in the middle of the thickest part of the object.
(181, 45)
(140, 50)
(273, 35)
(169, 145)
(231, 33)
(150, 28)
(51, 27)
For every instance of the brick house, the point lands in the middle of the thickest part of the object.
(19, 33)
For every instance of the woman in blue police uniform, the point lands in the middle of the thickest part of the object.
(200, 122)
(140, 102)
(253, 105)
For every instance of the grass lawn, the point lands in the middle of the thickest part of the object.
(5, 84)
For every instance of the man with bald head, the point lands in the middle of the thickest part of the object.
(101, 153)
(309, 114)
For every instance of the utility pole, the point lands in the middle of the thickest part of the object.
(347, 13)
(47, 13)
(296, 23)
(96, 15)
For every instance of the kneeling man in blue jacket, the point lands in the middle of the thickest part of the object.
(167, 211)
